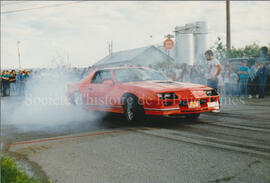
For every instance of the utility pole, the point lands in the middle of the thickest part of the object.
(110, 47)
(228, 26)
(19, 55)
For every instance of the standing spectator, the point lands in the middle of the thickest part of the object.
(27, 75)
(185, 73)
(5, 83)
(27, 81)
(213, 70)
(12, 80)
(171, 72)
(178, 73)
(227, 81)
(243, 78)
(253, 71)
(20, 83)
(195, 75)
(234, 82)
(24, 74)
(253, 84)
(221, 85)
(262, 77)
(202, 71)
(13, 72)
(163, 69)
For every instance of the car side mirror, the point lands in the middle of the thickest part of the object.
(108, 82)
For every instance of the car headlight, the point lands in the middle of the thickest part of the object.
(211, 92)
(165, 96)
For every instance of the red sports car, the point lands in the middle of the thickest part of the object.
(138, 91)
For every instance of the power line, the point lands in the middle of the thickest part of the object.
(41, 7)
(15, 3)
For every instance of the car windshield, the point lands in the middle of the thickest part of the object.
(137, 74)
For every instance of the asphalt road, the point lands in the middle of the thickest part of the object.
(67, 146)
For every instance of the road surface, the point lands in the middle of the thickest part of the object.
(231, 146)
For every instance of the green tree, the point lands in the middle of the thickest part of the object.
(247, 51)
(220, 50)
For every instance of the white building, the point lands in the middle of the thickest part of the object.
(145, 56)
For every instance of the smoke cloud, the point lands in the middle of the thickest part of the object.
(45, 106)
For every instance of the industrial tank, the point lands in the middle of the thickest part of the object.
(191, 43)
(200, 41)
(184, 44)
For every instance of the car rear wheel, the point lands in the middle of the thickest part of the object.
(134, 111)
(193, 116)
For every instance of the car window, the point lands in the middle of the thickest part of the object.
(101, 76)
(137, 74)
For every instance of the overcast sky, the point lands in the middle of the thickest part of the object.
(82, 30)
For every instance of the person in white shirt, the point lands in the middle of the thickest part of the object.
(213, 70)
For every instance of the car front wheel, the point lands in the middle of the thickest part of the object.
(133, 109)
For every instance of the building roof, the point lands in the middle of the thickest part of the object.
(125, 56)
(122, 56)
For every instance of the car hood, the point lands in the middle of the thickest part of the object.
(166, 86)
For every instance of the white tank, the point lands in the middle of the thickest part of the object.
(200, 42)
(184, 44)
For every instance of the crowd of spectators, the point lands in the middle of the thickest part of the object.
(242, 81)
(17, 82)
(13, 82)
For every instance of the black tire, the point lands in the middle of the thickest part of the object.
(134, 111)
(193, 116)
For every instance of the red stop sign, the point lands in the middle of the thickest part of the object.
(168, 44)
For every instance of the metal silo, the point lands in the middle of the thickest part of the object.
(184, 44)
(200, 41)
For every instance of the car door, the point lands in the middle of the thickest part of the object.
(100, 90)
